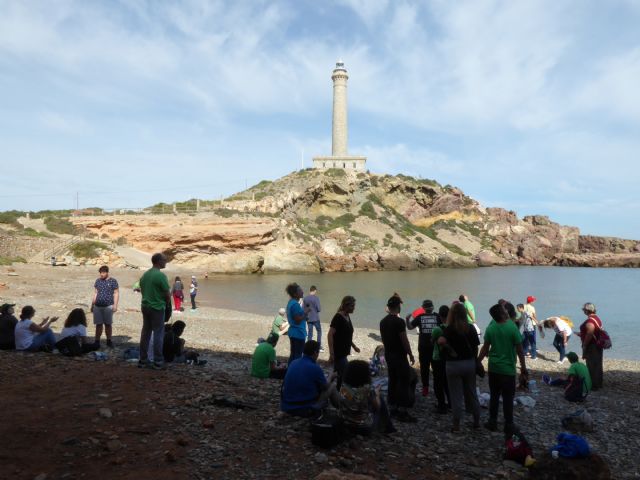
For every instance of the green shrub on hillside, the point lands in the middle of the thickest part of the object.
(30, 232)
(10, 260)
(60, 225)
(87, 249)
(335, 172)
(367, 210)
(11, 217)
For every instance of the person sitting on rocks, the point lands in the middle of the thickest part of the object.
(305, 390)
(34, 337)
(75, 327)
(173, 345)
(279, 326)
(577, 384)
(362, 409)
(8, 323)
(263, 362)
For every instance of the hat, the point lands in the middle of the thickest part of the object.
(6, 306)
(572, 356)
(427, 304)
(531, 299)
(282, 311)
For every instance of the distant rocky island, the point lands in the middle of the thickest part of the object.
(337, 220)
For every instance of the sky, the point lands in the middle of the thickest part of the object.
(533, 106)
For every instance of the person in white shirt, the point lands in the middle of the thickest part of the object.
(563, 332)
(31, 336)
(76, 326)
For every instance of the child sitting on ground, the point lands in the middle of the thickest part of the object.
(173, 346)
(577, 384)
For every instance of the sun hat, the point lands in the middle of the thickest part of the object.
(531, 299)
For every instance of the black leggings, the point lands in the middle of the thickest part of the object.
(505, 386)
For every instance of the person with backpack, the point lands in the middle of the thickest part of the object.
(591, 351)
(426, 320)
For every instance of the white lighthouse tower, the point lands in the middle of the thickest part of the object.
(340, 157)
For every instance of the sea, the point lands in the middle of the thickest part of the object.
(559, 291)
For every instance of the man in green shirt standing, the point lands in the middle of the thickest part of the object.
(156, 296)
(471, 311)
(502, 341)
(263, 363)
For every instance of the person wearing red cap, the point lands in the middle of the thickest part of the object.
(530, 309)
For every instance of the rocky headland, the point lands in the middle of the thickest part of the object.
(312, 221)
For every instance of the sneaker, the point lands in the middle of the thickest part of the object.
(491, 425)
(546, 379)
(425, 391)
(109, 343)
(158, 366)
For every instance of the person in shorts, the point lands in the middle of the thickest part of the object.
(104, 304)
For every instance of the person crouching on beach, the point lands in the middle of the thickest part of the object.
(563, 333)
(577, 384)
(297, 321)
(34, 337)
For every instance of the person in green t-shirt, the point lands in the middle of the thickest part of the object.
(471, 310)
(578, 372)
(280, 326)
(502, 341)
(438, 365)
(263, 362)
(156, 299)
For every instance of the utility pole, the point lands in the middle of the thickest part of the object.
(77, 201)
(302, 160)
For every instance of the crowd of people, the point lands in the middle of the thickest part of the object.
(450, 349)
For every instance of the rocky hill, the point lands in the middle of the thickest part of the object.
(335, 220)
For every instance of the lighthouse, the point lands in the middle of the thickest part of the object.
(340, 157)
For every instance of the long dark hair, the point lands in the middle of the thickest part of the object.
(457, 319)
(27, 312)
(348, 300)
(76, 317)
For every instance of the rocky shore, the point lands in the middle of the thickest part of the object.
(67, 418)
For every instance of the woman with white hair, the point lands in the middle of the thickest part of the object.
(591, 352)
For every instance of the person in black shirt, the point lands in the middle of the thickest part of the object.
(396, 349)
(426, 320)
(340, 337)
(173, 345)
(7, 327)
(460, 345)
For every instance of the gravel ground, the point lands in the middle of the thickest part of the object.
(227, 338)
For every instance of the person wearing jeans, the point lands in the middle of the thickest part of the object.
(156, 298)
(502, 341)
(297, 322)
(311, 305)
(528, 333)
(563, 332)
(33, 337)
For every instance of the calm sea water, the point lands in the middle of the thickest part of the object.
(560, 291)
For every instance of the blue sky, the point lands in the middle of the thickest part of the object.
(531, 106)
